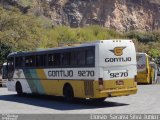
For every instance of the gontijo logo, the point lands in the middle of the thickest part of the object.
(118, 51)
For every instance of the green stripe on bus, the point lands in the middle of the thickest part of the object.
(28, 77)
(37, 82)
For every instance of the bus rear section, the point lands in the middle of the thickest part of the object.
(145, 71)
(117, 68)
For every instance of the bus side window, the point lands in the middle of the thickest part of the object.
(81, 57)
(65, 59)
(50, 59)
(73, 58)
(29, 61)
(90, 56)
(54, 59)
(18, 62)
(40, 60)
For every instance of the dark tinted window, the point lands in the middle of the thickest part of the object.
(54, 59)
(18, 62)
(73, 58)
(81, 57)
(90, 56)
(65, 59)
(40, 60)
(29, 61)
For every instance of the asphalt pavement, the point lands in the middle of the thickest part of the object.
(147, 100)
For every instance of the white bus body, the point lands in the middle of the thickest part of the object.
(99, 69)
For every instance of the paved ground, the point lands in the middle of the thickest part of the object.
(147, 100)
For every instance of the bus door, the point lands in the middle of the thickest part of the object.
(10, 64)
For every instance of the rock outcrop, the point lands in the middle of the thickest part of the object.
(121, 15)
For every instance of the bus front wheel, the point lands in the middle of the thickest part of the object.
(68, 92)
(19, 88)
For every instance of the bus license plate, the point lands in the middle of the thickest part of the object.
(119, 82)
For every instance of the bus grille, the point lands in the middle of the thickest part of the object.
(88, 87)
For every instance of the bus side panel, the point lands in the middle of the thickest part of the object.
(39, 82)
(19, 76)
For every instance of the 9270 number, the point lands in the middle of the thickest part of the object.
(86, 73)
(120, 74)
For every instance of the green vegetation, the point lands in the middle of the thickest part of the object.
(148, 42)
(23, 32)
(25, 3)
(5, 50)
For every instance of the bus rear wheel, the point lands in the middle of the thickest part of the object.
(68, 93)
(19, 88)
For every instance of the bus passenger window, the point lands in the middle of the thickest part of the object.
(66, 59)
(73, 58)
(81, 57)
(40, 60)
(30, 61)
(90, 56)
(50, 59)
(54, 59)
(18, 62)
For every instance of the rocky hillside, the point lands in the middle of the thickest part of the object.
(122, 15)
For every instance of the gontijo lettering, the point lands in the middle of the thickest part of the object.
(120, 59)
(60, 73)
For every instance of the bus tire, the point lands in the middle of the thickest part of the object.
(68, 92)
(19, 88)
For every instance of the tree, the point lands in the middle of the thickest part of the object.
(22, 32)
(4, 51)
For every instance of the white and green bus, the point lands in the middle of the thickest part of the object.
(95, 70)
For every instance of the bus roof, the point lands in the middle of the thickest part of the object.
(85, 44)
